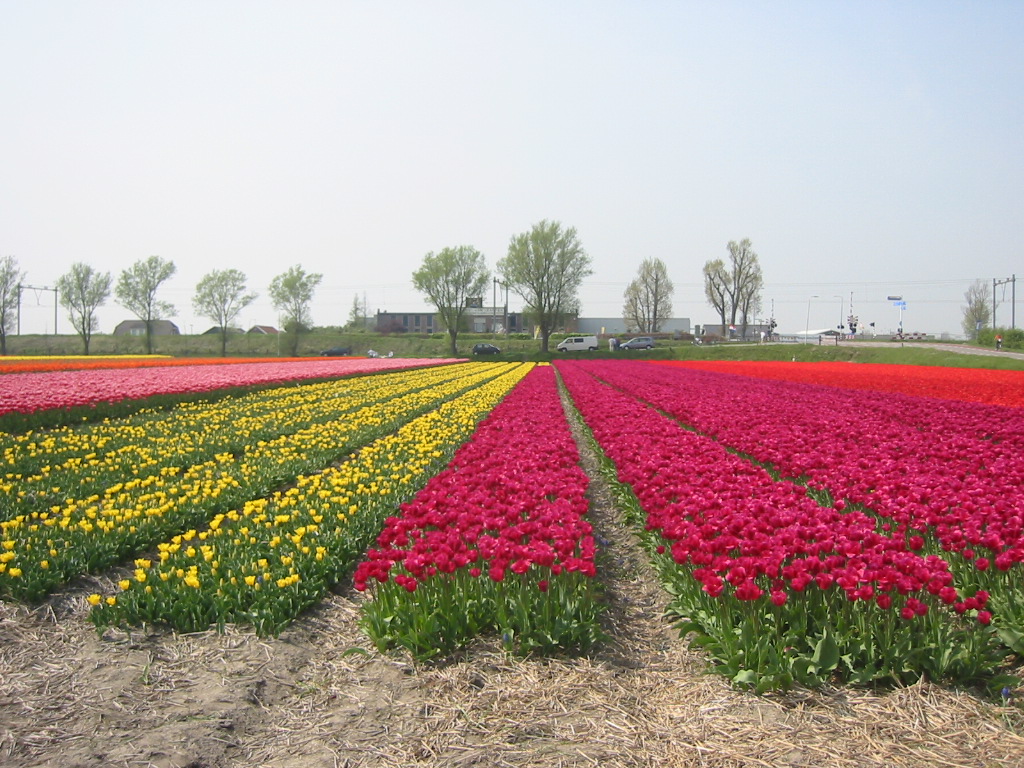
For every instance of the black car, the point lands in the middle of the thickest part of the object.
(336, 352)
(640, 342)
(485, 349)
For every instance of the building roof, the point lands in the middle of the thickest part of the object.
(214, 329)
(159, 328)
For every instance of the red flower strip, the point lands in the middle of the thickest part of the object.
(732, 524)
(948, 467)
(965, 384)
(512, 499)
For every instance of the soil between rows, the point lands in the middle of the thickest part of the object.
(321, 695)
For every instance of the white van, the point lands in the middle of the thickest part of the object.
(577, 344)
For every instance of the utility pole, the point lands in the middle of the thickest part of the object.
(1012, 280)
(37, 288)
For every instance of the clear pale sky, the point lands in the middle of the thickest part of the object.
(865, 148)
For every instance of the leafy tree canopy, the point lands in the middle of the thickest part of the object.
(83, 290)
(546, 267)
(449, 279)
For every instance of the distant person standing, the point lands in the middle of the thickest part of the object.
(999, 341)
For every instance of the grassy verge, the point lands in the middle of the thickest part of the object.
(516, 348)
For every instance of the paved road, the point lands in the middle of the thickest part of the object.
(963, 349)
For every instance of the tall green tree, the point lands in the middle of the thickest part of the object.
(449, 279)
(291, 294)
(83, 290)
(977, 311)
(221, 296)
(734, 289)
(546, 267)
(10, 281)
(136, 291)
(649, 297)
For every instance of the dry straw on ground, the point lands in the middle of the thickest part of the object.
(320, 696)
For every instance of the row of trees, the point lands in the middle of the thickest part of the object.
(220, 295)
(546, 266)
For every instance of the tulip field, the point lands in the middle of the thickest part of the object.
(811, 523)
(498, 541)
(31, 387)
(807, 531)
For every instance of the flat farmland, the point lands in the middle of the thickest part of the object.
(422, 562)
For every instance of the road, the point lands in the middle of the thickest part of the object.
(958, 348)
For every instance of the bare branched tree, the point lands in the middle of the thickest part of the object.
(649, 298)
(977, 310)
(735, 291)
(10, 280)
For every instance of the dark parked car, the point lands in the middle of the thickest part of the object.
(485, 349)
(640, 342)
(336, 352)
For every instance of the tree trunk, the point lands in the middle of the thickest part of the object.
(452, 337)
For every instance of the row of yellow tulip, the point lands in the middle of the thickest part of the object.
(266, 561)
(42, 468)
(44, 548)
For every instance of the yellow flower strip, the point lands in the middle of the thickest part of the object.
(266, 562)
(42, 468)
(43, 549)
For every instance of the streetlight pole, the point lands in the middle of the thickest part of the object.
(899, 302)
(807, 324)
(505, 321)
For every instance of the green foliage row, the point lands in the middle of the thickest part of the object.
(523, 347)
(1013, 338)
